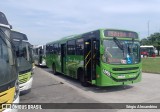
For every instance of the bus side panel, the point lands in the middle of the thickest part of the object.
(72, 65)
(57, 61)
(54, 59)
(48, 60)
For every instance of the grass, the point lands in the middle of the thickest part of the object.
(151, 65)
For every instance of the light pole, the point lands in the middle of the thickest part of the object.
(148, 26)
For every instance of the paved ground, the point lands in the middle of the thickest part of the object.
(49, 88)
(46, 89)
(144, 92)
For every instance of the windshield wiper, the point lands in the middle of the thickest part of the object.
(118, 43)
(128, 48)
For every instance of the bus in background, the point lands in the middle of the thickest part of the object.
(23, 52)
(30, 48)
(105, 57)
(39, 55)
(148, 51)
(9, 86)
(32, 56)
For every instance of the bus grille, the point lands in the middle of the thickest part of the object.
(23, 80)
(125, 69)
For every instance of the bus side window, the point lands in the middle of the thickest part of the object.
(71, 47)
(79, 47)
(47, 50)
(59, 49)
(50, 49)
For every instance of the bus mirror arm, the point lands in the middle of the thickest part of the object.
(101, 49)
(119, 44)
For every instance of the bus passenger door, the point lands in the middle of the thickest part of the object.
(90, 60)
(63, 58)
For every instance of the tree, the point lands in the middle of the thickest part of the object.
(154, 39)
(144, 41)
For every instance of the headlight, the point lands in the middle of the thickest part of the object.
(16, 94)
(106, 72)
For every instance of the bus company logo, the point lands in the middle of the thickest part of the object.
(20, 106)
(6, 106)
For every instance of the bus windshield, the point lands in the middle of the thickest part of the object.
(7, 60)
(23, 55)
(126, 52)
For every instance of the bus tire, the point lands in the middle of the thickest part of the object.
(54, 69)
(84, 83)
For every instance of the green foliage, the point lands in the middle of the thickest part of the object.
(144, 41)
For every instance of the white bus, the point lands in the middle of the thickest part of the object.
(39, 55)
(148, 51)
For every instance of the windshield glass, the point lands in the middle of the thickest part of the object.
(23, 55)
(8, 68)
(128, 54)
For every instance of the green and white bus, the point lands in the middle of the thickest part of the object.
(9, 86)
(105, 57)
(24, 58)
(32, 57)
(39, 55)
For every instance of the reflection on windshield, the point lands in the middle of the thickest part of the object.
(22, 50)
(8, 67)
(23, 55)
(128, 55)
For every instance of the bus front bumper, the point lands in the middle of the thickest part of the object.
(13, 110)
(26, 86)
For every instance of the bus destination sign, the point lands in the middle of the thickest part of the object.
(118, 33)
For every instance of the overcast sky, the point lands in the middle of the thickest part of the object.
(48, 20)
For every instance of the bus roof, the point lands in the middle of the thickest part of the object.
(38, 46)
(18, 35)
(64, 39)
